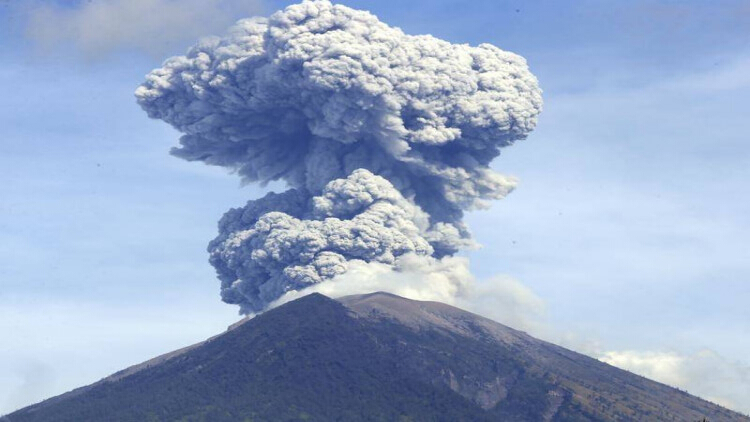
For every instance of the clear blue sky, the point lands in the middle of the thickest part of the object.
(630, 222)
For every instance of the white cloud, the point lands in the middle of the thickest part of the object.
(705, 374)
(156, 27)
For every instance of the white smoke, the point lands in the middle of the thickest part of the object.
(447, 280)
(412, 276)
(385, 139)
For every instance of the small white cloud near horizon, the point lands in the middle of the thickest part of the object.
(705, 374)
(157, 27)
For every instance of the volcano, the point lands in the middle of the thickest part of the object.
(373, 357)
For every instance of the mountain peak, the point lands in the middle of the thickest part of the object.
(428, 315)
(373, 356)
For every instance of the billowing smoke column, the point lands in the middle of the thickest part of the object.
(384, 138)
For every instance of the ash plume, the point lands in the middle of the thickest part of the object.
(384, 139)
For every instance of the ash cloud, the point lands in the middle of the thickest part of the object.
(285, 241)
(384, 138)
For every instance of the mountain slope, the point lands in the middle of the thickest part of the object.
(373, 357)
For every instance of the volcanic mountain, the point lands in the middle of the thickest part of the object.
(373, 357)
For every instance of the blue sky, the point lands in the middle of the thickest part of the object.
(629, 223)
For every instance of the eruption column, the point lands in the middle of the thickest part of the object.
(385, 139)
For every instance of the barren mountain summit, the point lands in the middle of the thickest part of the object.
(374, 357)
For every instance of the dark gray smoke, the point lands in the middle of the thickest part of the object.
(385, 139)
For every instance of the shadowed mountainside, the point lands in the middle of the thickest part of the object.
(373, 357)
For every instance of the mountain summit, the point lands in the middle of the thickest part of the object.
(373, 357)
